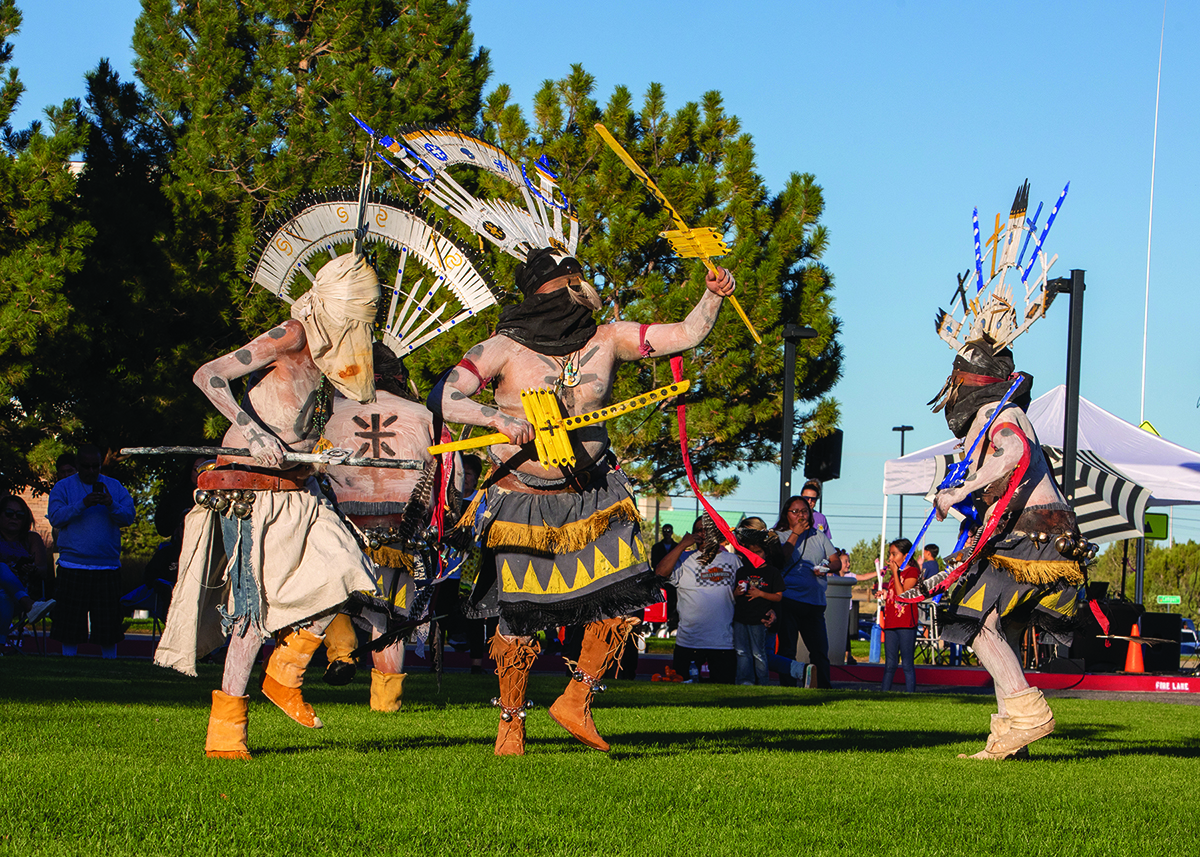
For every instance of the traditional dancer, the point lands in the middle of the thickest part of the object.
(393, 509)
(1022, 562)
(292, 562)
(263, 550)
(565, 540)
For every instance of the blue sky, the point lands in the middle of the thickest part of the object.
(909, 114)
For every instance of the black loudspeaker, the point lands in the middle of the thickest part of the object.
(823, 458)
(1099, 657)
(1162, 657)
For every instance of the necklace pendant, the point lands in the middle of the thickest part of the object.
(570, 375)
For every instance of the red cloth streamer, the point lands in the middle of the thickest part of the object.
(445, 470)
(1101, 620)
(681, 415)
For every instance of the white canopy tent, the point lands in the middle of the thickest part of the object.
(1170, 472)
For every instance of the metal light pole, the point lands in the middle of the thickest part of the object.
(902, 430)
(792, 334)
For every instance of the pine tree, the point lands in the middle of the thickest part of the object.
(43, 240)
(255, 98)
(704, 163)
(134, 342)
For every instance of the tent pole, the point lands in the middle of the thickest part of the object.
(1124, 564)
(1074, 352)
(883, 532)
(1139, 572)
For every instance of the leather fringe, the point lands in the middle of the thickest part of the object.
(392, 558)
(466, 521)
(572, 537)
(1040, 570)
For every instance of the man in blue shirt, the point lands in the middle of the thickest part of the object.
(88, 510)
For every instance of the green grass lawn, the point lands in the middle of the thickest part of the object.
(106, 758)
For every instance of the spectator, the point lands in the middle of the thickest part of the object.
(899, 620)
(704, 582)
(21, 548)
(64, 466)
(811, 492)
(758, 590)
(930, 565)
(171, 506)
(478, 630)
(809, 556)
(662, 547)
(15, 600)
(89, 510)
(657, 551)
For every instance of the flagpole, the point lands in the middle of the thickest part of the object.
(1150, 228)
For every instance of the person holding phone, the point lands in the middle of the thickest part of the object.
(89, 509)
(809, 556)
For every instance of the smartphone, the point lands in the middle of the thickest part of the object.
(98, 488)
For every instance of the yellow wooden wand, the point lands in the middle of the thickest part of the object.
(701, 243)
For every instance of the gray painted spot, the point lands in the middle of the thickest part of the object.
(243, 419)
(243, 356)
(277, 333)
(217, 381)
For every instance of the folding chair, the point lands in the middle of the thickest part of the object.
(927, 637)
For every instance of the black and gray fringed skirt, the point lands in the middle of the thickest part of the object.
(566, 558)
(1026, 582)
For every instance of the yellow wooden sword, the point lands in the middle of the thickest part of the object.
(700, 243)
(550, 426)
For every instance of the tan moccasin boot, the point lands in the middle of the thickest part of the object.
(227, 722)
(514, 659)
(285, 676)
(387, 689)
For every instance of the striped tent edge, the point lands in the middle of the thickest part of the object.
(1109, 506)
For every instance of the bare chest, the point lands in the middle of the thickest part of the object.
(283, 397)
(582, 381)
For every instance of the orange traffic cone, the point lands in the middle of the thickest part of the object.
(1133, 659)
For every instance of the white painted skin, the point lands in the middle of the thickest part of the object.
(276, 414)
(518, 368)
(277, 410)
(408, 435)
(997, 457)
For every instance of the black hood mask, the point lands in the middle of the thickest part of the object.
(977, 379)
(550, 324)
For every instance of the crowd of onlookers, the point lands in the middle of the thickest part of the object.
(740, 616)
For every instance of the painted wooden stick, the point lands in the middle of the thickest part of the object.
(680, 224)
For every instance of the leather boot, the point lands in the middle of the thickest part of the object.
(285, 676)
(1030, 719)
(514, 659)
(340, 642)
(227, 727)
(603, 642)
(1001, 725)
(386, 690)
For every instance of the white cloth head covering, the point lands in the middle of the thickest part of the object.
(338, 314)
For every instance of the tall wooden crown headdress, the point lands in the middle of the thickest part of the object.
(988, 317)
